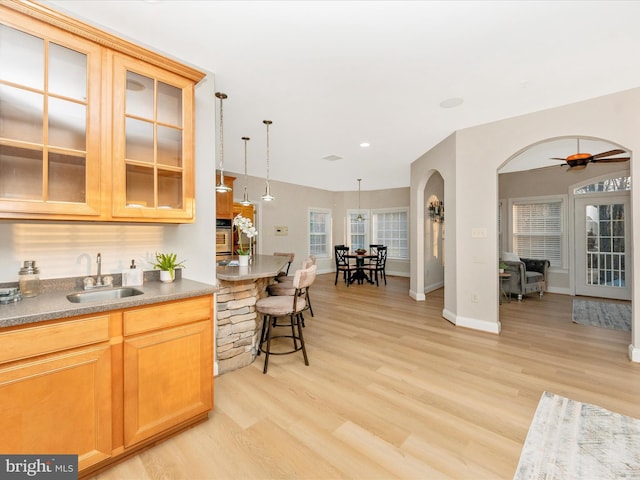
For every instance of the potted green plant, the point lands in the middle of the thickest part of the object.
(501, 267)
(167, 264)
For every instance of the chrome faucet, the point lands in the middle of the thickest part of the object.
(99, 275)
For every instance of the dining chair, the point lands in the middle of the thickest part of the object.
(379, 266)
(342, 263)
(290, 306)
(373, 250)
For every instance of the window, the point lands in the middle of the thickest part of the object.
(319, 232)
(391, 228)
(538, 229)
(619, 184)
(358, 230)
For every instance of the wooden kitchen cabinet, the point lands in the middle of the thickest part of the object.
(55, 389)
(105, 386)
(168, 366)
(92, 127)
(153, 165)
(224, 200)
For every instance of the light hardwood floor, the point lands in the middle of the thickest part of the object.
(395, 391)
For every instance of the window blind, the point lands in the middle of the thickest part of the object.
(537, 231)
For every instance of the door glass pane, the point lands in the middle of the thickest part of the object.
(169, 146)
(139, 96)
(140, 186)
(67, 178)
(21, 58)
(67, 72)
(20, 173)
(139, 140)
(169, 104)
(169, 189)
(67, 124)
(22, 114)
(605, 245)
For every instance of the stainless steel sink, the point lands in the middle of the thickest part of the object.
(103, 295)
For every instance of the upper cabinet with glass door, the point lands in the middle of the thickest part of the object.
(153, 142)
(49, 121)
(92, 127)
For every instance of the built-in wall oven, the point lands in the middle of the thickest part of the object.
(224, 237)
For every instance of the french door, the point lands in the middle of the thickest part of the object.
(602, 246)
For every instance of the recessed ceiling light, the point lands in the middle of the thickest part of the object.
(365, 144)
(451, 102)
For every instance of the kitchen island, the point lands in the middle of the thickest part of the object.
(238, 325)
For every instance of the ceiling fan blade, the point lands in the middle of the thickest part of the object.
(556, 158)
(611, 160)
(609, 153)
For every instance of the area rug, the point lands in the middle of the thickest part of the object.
(616, 316)
(574, 440)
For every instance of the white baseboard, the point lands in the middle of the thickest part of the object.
(449, 315)
(634, 353)
(433, 286)
(477, 324)
(418, 297)
(561, 291)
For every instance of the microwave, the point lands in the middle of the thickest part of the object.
(224, 237)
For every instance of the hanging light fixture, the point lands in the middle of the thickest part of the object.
(245, 197)
(267, 197)
(360, 217)
(222, 186)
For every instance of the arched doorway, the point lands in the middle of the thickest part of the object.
(533, 177)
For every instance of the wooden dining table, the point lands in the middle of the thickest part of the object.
(360, 275)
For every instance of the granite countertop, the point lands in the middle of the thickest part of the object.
(52, 303)
(261, 266)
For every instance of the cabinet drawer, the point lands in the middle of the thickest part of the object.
(38, 340)
(167, 314)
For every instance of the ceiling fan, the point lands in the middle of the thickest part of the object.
(579, 161)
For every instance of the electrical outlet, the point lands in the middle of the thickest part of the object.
(281, 231)
(474, 297)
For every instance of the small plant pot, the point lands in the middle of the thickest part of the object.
(166, 276)
(243, 260)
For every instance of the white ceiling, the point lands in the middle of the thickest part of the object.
(333, 74)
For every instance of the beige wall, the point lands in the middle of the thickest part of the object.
(479, 152)
(291, 209)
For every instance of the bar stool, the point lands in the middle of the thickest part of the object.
(290, 306)
(285, 284)
(285, 272)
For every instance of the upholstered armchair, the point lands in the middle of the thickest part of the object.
(527, 275)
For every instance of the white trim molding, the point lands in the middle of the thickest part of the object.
(634, 353)
(477, 324)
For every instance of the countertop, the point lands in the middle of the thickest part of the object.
(53, 304)
(261, 266)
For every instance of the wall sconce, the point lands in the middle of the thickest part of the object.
(436, 211)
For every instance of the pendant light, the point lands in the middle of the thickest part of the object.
(267, 197)
(360, 217)
(245, 197)
(221, 186)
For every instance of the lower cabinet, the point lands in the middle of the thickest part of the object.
(104, 386)
(168, 370)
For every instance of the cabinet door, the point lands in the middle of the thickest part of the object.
(224, 200)
(168, 379)
(59, 403)
(153, 142)
(49, 120)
